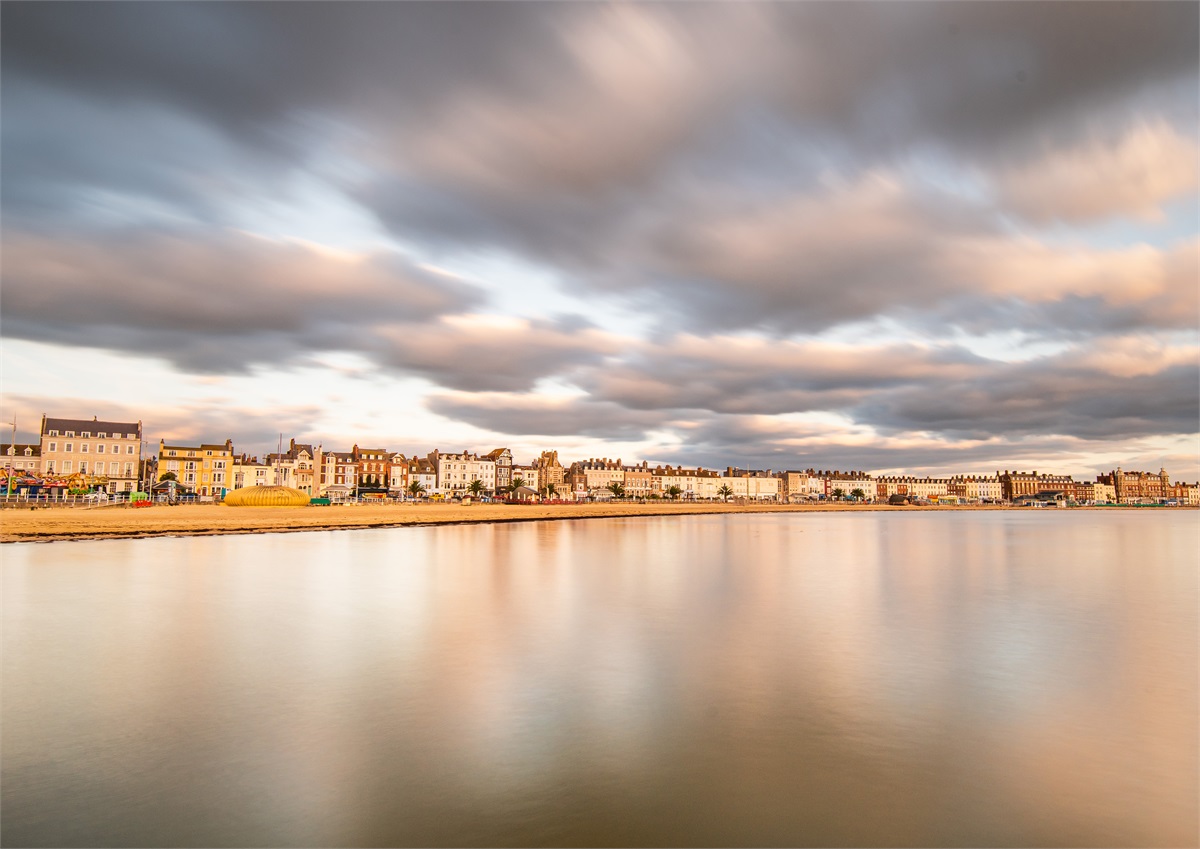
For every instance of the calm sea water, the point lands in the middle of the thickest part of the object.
(961, 679)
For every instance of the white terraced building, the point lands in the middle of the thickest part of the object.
(110, 451)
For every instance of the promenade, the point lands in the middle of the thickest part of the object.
(46, 525)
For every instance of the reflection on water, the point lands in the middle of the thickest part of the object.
(859, 679)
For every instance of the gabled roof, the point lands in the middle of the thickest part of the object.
(21, 448)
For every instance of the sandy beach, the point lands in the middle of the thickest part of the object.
(50, 524)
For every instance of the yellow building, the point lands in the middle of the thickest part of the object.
(203, 469)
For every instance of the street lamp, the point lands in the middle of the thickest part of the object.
(142, 469)
(12, 453)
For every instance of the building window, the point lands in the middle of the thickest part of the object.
(49, 467)
(53, 446)
(99, 468)
(86, 434)
(83, 467)
(128, 470)
(83, 447)
(102, 435)
(67, 448)
(128, 449)
(54, 433)
(100, 448)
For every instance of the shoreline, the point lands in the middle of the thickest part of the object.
(73, 524)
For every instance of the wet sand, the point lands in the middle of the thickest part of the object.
(64, 523)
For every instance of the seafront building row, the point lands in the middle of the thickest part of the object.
(80, 455)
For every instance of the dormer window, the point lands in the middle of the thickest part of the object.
(86, 434)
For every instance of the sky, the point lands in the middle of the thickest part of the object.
(895, 237)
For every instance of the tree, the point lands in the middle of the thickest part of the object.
(857, 494)
(475, 487)
(838, 493)
(725, 491)
(551, 490)
(167, 476)
(517, 484)
(416, 488)
(674, 491)
(617, 489)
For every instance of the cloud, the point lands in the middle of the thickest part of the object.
(482, 353)
(748, 375)
(982, 77)
(211, 301)
(1150, 165)
(527, 415)
(249, 427)
(779, 445)
(1124, 388)
(1067, 394)
(741, 177)
(742, 165)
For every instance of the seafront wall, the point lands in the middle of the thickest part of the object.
(56, 524)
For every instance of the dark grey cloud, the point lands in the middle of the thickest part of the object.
(1044, 397)
(728, 375)
(212, 301)
(251, 68)
(978, 72)
(672, 155)
(901, 389)
(530, 415)
(482, 355)
(1122, 391)
(984, 76)
(73, 162)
